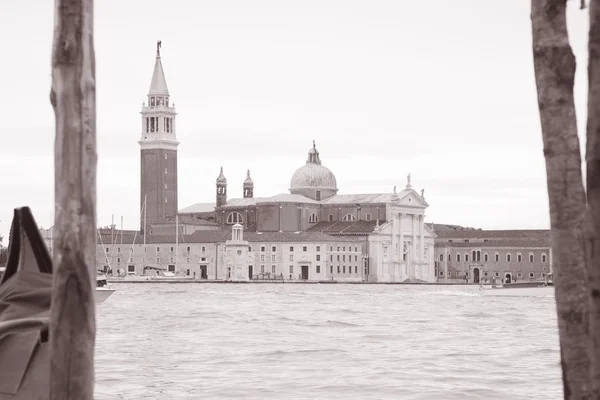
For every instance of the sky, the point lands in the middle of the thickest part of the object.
(443, 90)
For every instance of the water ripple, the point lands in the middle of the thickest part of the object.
(230, 341)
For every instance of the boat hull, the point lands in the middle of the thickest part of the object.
(539, 291)
(102, 294)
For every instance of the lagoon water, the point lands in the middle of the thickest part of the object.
(296, 341)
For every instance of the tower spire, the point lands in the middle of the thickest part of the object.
(158, 85)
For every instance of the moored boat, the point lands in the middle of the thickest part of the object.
(519, 289)
(103, 290)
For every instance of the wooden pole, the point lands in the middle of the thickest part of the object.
(554, 66)
(73, 96)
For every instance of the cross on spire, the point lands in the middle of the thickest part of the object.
(158, 46)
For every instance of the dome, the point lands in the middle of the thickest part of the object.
(313, 174)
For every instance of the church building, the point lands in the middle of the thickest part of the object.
(385, 233)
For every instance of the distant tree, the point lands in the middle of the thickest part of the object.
(3, 252)
(574, 214)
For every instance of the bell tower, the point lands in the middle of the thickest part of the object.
(221, 189)
(248, 186)
(158, 145)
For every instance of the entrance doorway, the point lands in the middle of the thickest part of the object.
(508, 278)
(476, 277)
(304, 272)
(250, 272)
(203, 272)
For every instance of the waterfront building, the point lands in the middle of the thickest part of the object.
(205, 254)
(475, 255)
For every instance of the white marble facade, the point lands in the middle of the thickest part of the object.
(402, 248)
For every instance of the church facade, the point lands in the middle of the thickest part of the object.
(311, 233)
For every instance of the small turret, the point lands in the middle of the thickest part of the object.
(248, 186)
(221, 189)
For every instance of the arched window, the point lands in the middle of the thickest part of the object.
(235, 218)
(349, 217)
(543, 257)
(441, 257)
(368, 217)
(313, 218)
(478, 255)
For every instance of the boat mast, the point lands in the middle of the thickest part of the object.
(145, 226)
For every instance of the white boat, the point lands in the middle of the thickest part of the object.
(103, 290)
(519, 289)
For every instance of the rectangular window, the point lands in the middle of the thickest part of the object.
(496, 257)
(107, 249)
(273, 257)
(239, 252)
(466, 258)
(338, 248)
(356, 269)
(331, 269)
(330, 217)
(203, 249)
(344, 257)
(262, 248)
(291, 257)
(273, 248)
(273, 269)
(543, 258)
(344, 248)
(508, 258)
(172, 249)
(291, 248)
(355, 258)
(188, 249)
(262, 257)
(318, 248)
(318, 257)
(519, 259)
(262, 269)
(318, 195)
(291, 269)
(158, 249)
(531, 258)
(118, 259)
(331, 257)
(318, 269)
(118, 249)
(304, 248)
(338, 269)
(344, 269)
(131, 268)
(458, 258)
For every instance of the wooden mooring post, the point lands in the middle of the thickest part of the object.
(73, 96)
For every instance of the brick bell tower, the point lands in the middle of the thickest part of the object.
(158, 145)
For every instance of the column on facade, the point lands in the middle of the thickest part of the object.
(400, 217)
(422, 238)
(414, 246)
(393, 252)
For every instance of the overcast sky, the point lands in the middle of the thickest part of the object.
(442, 89)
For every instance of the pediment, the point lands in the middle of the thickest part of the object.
(413, 199)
